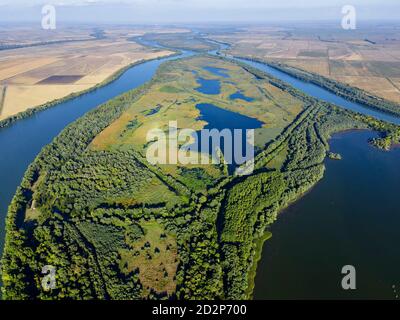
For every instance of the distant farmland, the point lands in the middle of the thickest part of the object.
(37, 75)
(371, 64)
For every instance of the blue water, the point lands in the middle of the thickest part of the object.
(153, 111)
(240, 96)
(22, 141)
(321, 93)
(220, 72)
(208, 86)
(220, 119)
(351, 217)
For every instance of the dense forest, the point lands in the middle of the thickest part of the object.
(84, 212)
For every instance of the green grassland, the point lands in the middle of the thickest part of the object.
(177, 100)
(116, 227)
(153, 255)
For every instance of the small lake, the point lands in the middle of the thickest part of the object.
(208, 86)
(351, 217)
(240, 96)
(220, 72)
(220, 119)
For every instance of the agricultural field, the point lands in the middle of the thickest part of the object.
(367, 58)
(20, 36)
(36, 75)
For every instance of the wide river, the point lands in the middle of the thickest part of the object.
(351, 217)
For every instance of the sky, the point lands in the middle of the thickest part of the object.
(168, 11)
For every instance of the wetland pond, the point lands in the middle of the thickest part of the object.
(221, 119)
(208, 86)
(240, 96)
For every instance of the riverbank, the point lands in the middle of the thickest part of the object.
(31, 111)
(345, 91)
(258, 248)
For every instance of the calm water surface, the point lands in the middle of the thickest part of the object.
(351, 217)
(221, 72)
(240, 96)
(208, 86)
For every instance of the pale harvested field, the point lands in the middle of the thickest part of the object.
(24, 71)
(345, 57)
(32, 34)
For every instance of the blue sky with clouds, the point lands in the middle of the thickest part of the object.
(153, 11)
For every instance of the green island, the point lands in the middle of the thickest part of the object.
(334, 156)
(116, 227)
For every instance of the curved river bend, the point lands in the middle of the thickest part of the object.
(300, 253)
